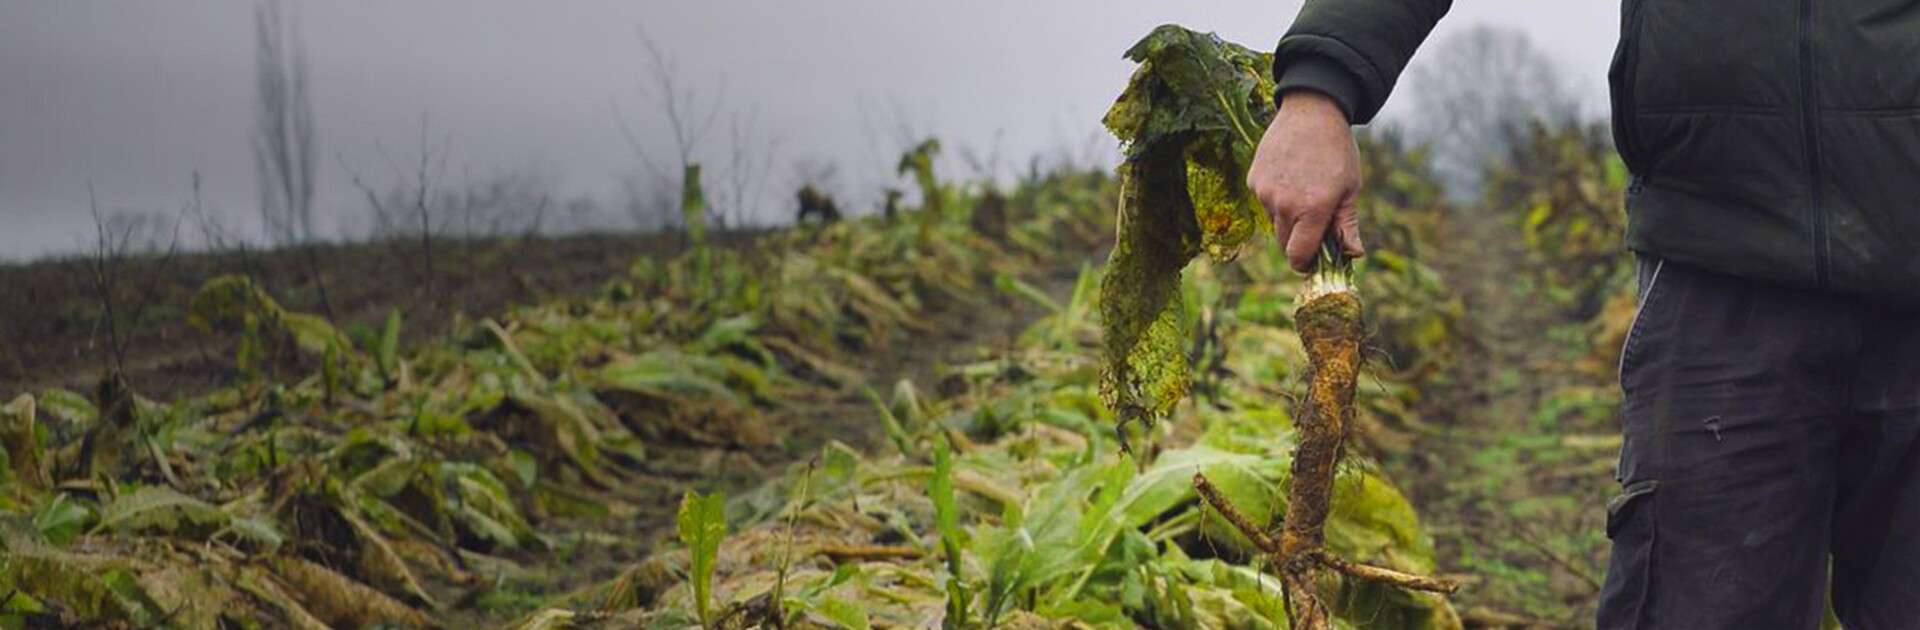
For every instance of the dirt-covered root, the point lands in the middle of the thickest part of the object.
(1370, 573)
(1330, 329)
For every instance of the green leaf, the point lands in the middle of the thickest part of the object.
(483, 504)
(725, 332)
(1250, 481)
(890, 424)
(1011, 573)
(388, 354)
(1014, 286)
(67, 406)
(259, 531)
(703, 525)
(847, 614)
(525, 466)
(672, 372)
(61, 520)
(940, 489)
(160, 508)
(946, 517)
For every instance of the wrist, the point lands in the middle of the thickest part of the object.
(1310, 103)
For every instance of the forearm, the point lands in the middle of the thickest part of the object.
(1354, 50)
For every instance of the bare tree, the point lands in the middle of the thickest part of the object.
(283, 138)
(689, 117)
(408, 210)
(426, 177)
(142, 231)
(667, 191)
(103, 266)
(1476, 94)
(497, 203)
(284, 147)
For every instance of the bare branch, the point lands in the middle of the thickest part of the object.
(105, 267)
(283, 140)
(686, 118)
(633, 141)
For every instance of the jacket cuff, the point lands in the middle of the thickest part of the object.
(1325, 76)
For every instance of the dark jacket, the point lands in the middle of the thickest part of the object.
(1777, 140)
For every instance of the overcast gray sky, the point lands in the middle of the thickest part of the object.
(135, 96)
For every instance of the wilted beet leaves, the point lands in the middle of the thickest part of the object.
(1190, 119)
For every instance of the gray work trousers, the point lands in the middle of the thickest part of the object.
(1770, 434)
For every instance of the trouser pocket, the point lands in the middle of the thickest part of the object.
(1647, 271)
(1631, 525)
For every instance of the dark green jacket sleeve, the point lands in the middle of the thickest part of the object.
(1354, 50)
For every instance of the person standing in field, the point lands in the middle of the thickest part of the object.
(1772, 375)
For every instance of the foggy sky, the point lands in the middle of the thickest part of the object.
(136, 96)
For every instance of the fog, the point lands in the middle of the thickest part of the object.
(130, 100)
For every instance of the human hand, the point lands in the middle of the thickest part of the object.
(1307, 174)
